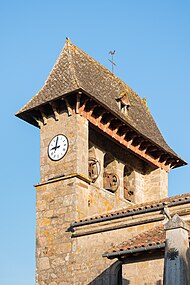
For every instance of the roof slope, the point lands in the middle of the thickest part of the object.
(75, 70)
(152, 237)
(137, 208)
(156, 235)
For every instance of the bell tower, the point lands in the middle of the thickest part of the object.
(57, 194)
(100, 151)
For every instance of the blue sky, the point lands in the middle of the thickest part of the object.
(152, 43)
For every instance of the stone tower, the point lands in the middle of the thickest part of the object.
(100, 151)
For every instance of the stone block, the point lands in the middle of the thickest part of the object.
(68, 200)
(43, 263)
(44, 222)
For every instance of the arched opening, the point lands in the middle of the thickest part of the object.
(93, 165)
(110, 177)
(129, 184)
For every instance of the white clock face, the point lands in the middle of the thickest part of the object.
(58, 147)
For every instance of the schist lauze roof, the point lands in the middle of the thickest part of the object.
(81, 85)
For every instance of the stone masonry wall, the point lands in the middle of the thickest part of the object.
(156, 185)
(60, 258)
(55, 210)
(144, 272)
(75, 128)
(59, 202)
(92, 200)
(145, 181)
(95, 269)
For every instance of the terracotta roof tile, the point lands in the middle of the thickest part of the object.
(155, 236)
(76, 70)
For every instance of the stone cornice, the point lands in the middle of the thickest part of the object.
(140, 217)
(65, 177)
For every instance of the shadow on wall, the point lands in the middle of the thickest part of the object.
(111, 276)
(176, 267)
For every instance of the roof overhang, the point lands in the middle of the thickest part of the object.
(104, 119)
(134, 251)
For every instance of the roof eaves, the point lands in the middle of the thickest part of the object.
(116, 254)
(160, 244)
(116, 216)
(155, 206)
(126, 120)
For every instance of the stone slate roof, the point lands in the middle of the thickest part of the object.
(135, 209)
(75, 70)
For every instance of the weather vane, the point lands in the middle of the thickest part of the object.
(111, 60)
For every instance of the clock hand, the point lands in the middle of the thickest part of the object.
(56, 143)
(55, 147)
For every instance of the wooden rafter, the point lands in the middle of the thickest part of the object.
(39, 121)
(174, 163)
(157, 153)
(122, 138)
(98, 120)
(100, 117)
(144, 145)
(169, 161)
(83, 105)
(151, 148)
(127, 137)
(163, 157)
(131, 135)
(137, 141)
(115, 132)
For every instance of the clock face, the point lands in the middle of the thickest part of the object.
(58, 147)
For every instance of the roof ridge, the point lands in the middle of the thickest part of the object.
(69, 44)
(64, 50)
(75, 70)
(125, 87)
(102, 66)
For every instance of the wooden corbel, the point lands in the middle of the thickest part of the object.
(54, 108)
(69, 108)
(44, 118)
(39, 122)
(78, 102)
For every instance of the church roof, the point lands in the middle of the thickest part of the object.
(75, 70)
(136, 209)
(154, 238)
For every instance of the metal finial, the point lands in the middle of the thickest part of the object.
(111, 60)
